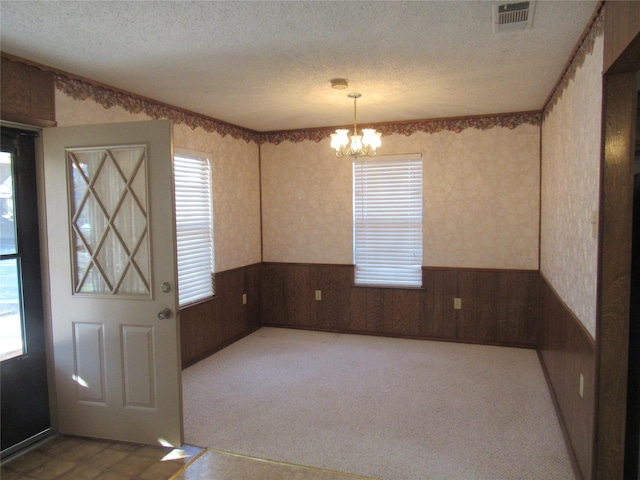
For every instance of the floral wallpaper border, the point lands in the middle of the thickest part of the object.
(457, 125)
(583, 50)
(80, 89)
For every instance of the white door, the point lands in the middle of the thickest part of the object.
(111, 249)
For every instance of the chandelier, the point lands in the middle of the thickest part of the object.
(364, 145)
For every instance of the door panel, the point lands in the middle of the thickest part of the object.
(89, 362)
(137, 367)
(111, 240)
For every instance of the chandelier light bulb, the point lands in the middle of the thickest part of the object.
(371, 138)
(356, 143)
(339, 139)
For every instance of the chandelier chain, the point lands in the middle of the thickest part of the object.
(355, 117)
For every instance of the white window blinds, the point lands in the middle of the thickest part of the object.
(387, 220)
(194, 225)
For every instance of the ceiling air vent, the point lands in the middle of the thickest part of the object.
(512, 16)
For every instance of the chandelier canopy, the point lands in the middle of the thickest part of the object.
(364, 145)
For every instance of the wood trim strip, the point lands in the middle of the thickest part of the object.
(26, 120)
(614, 282)
(295, 264)
(239, 269)
(471, 269)
(461, 269)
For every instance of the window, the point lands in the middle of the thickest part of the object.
(387, 220)
(194, 226)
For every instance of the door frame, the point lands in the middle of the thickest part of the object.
(45, 284)
(614, 263)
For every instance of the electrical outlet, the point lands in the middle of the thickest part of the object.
(244, 298)
(318, 294)
(457, 303)
(581, 388)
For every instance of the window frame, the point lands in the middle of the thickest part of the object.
(193, 155)
(368, 274)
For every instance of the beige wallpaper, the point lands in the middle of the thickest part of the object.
(236, 195)
(480, 194)
(236, 179)
(306, 204)
(571, 136)
(480, 199)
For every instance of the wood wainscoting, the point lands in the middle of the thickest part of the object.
(499, 307)
(209, 326)
(566, 351)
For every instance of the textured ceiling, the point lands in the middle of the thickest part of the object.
(267, 65)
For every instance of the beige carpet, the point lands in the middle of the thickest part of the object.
(393, 409)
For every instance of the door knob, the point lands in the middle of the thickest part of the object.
(164, 314)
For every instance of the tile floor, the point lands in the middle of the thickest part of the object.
(75, 458)
(78, 458)
(228, 466)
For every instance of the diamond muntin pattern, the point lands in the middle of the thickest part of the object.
(109, 220)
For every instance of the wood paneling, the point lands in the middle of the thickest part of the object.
(209, 326)
(331, 312)
(488, 320)
(567, 350)
(27, 94)
(498, 307)
(622, 26)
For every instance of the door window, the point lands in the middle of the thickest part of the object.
(109, 220)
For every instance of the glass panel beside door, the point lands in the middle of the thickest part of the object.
(11, 316)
